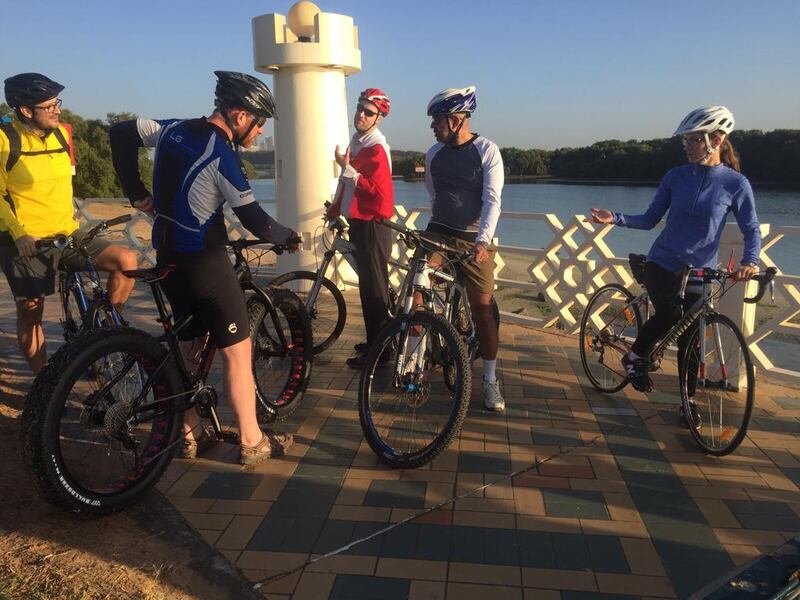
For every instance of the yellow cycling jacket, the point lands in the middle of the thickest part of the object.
(36, 194)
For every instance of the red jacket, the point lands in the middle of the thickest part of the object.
(365, 187)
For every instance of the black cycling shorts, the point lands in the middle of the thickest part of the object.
(205, 286)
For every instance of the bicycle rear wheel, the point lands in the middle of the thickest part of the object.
(327, 313)
(609, 326)
(407, 413)
(721, 383)
(77, 433)
(281, 371)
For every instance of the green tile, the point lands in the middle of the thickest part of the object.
(401, 542)
(788, 402)
(556, 437)
(500, 547)
(320, 471)
(281, 533)
(569, 595)
(776, 522)
(484, 462)
(228, 486)
(433, 542)
(396, 494)
(607, 554)
(466, 545)
(359, 587)
(536, 549)
(575, 504)
(571, 552)
(759, 507)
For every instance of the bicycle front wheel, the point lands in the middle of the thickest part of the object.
(88, 447)
(609, 326)
(327, 312)
(281, 368)
(406, 410)
(717, 384)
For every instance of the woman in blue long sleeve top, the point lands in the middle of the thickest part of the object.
(696, 199)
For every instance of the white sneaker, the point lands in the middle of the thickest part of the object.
(492, 399)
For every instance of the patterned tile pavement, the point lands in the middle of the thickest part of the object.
(622, 506)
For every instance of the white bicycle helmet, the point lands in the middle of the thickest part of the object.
(453, 100)
(707, 120)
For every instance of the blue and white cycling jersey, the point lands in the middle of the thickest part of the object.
(195, 173)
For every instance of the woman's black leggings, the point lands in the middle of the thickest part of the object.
(663, 286)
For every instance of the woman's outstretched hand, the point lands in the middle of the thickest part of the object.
(601, 215)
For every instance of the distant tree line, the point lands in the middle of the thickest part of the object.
(771, 157)
(766, 157)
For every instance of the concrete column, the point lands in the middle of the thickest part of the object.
(308, 56)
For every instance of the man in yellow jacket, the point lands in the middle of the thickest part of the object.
(36, 202)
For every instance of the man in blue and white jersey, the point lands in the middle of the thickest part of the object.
(196, 172)
(464, 177)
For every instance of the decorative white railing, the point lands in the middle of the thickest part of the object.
(568, 268)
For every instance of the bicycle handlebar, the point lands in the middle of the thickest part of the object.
(238, 245)
(61, 241)
(763, 279)
(416, 237)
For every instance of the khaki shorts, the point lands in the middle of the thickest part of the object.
(35, 277)
(477, 276)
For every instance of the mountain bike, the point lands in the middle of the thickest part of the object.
(324, 301)
(408, 410)
(103, 418)
(715, 369)
(84, 300)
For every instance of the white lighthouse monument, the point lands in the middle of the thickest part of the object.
(308, 54)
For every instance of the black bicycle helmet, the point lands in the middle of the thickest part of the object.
(239, 90)
(30, 89)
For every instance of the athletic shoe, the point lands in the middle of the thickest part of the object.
(492, 399)
(636, 369)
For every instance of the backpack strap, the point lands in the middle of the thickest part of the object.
(14, 144)
(61, 139)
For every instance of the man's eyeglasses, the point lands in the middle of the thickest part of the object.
(692, 140)
(50, 108)
(367, 112)
(260, 122)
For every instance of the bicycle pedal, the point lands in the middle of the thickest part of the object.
(230, 437)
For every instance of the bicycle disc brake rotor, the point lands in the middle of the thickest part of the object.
(415, 391)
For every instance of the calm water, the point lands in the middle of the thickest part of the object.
(777, 207)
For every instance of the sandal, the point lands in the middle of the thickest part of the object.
(272, 445)
(201, 443)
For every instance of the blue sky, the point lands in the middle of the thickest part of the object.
(549, 73)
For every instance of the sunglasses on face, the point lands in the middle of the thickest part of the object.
(50, 108)
(367, 112)
(692, 140)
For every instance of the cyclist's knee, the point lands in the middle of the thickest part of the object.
(125, 259)
(118, 258)
(30, 310)
(237, 352)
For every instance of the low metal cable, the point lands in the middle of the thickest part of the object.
(267, 580)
